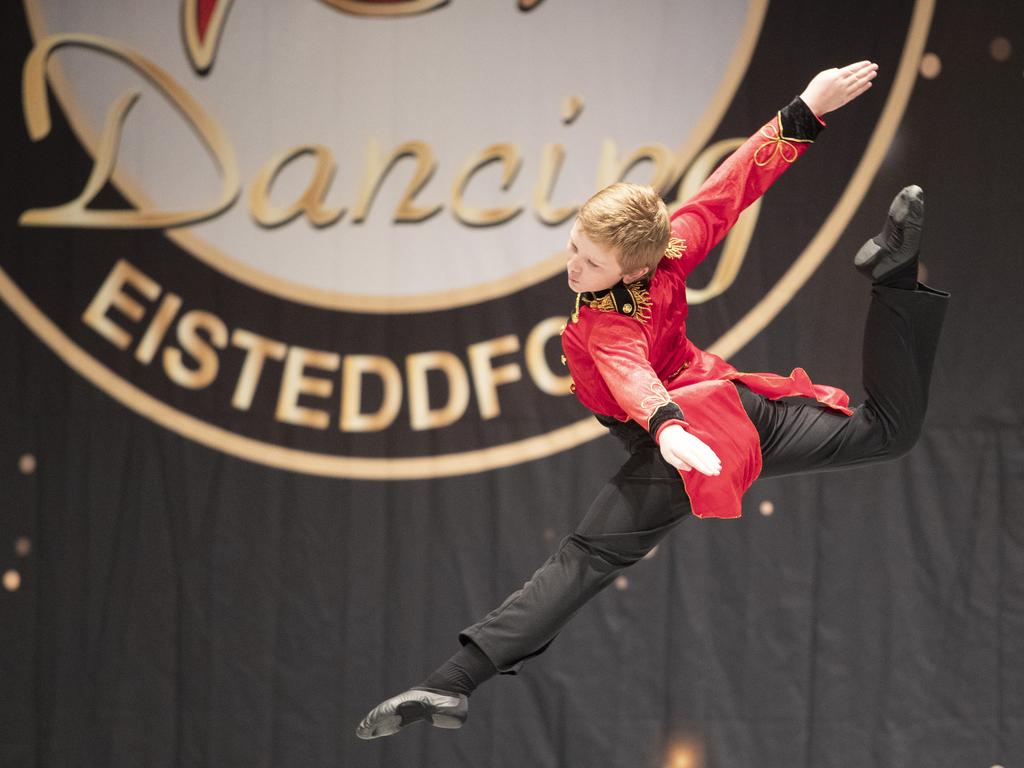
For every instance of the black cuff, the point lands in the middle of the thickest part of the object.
(667, 412)
(798, 122)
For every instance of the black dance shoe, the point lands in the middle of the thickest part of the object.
(895, 248)
(441, 709)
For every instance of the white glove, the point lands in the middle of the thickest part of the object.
(685, 451)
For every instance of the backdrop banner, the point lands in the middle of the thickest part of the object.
(283, 408)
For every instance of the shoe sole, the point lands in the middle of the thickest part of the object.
(414, 711)
(406, 714)
(870, 254)
(867, 256)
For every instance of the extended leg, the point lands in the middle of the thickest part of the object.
(630, 515)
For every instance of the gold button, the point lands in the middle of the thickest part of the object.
(627, 308)
(563, 359)
(572, 387)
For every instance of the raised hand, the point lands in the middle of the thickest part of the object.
(685, 451)
(831, 89)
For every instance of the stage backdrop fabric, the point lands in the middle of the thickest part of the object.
(282, 410)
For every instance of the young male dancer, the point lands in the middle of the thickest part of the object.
(698, 431)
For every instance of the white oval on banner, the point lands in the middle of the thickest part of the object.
(458, 80)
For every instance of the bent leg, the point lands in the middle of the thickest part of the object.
(630, 515)
(900, 339)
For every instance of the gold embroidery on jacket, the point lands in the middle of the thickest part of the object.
(640, 309)
(656, 400)
(675, 248)
(777, 144)
(638, 305)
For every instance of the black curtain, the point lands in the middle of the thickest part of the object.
(178, 606)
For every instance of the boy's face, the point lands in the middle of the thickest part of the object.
(592, 267)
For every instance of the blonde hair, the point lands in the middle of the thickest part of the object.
(630, 218)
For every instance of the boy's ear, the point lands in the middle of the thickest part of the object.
(635, 275)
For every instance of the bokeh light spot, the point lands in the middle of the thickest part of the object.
(1000, 48)
(682, 756)
(931, 66)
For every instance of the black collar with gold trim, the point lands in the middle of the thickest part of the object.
(629, 299)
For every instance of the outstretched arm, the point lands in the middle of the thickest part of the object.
(706, 218)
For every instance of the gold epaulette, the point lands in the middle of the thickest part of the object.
(675, 248)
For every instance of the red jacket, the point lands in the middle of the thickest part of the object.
(627, 349)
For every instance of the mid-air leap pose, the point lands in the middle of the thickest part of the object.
(698, 431)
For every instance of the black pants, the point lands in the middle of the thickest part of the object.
(645, 499)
